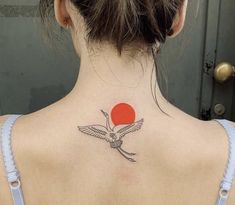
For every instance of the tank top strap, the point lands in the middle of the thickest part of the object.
(228, 177)
(12, 174)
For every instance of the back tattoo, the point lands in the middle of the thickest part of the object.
(123, 118)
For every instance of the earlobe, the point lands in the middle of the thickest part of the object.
(61, 13)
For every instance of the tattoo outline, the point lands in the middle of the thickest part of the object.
(113, 135)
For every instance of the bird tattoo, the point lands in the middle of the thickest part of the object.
(113, 135)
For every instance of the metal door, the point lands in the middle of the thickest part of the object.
(32, 73)
(217, 96)
(192, 60)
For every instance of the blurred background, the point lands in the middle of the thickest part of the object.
(198, 65)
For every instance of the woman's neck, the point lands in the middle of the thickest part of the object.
(106, 79)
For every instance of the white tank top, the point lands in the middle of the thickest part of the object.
(13, 175)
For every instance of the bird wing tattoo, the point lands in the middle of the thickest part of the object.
(98, 131)
(130, 128)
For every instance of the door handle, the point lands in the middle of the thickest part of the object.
(223, 72)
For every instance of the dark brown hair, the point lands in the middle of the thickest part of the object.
(123, 22)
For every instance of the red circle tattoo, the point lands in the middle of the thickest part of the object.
(123, 113)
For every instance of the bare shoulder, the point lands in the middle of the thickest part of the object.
(2, 173)
(222, 135)
(3, 118)
(232, 192)
(4, 191)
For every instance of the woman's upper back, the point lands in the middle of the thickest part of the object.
(174, 165)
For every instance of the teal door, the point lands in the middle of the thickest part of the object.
(193, 60)
(217, 98)
(33, 73)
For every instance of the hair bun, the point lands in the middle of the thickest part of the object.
(127, 21)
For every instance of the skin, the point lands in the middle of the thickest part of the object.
(180, 159)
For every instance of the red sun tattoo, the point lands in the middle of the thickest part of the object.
(123, 118)
(122, 113)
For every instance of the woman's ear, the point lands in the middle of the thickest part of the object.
(61, 13)
(179, 20)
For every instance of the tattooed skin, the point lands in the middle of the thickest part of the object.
(123, 118)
